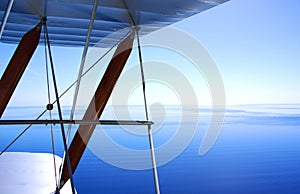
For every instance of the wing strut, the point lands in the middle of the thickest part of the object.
(17, 65)
(59, 108)
(97, 105)
(151, 144)
(5, 17)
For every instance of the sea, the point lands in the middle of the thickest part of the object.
(256, 150)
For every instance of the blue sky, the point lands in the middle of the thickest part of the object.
(254, 43)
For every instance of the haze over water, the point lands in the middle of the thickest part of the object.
(257, 152)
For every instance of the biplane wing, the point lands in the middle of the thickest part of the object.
(68, 20)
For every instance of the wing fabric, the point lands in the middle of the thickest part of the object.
(68, 20)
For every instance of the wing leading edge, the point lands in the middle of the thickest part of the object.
(68, 20)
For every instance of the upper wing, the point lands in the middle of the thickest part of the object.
(68, 20)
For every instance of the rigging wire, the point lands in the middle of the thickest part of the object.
(59, 108)
(49, 108)
(88, 70)
(12, 142)
(87, 42)
(154, 167)
(61, 95)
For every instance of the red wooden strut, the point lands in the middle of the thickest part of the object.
(97, 105)
(17, 65)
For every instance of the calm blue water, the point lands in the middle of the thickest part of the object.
(258, 151)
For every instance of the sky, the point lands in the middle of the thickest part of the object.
(255, 45)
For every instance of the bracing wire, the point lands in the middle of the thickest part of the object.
(91, 67)
(85, 50)
(49, 108)
(13, 141)
(61, 95)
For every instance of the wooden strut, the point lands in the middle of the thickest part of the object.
(97, 105)
(17, 65)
